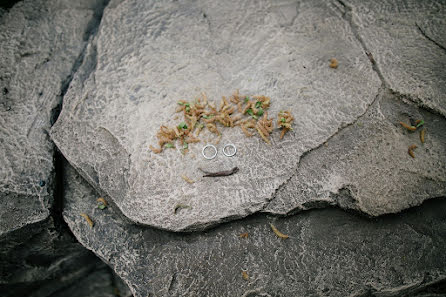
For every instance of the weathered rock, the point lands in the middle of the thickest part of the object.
(100, 283)
(329, 252)
(407, 41)
(143, 60)
(41, 260)
(40, 42)
(366, 166)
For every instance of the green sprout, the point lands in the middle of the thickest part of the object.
(260, 112)
(101, 206)
(421, 123)
(251, 113)
(283, 120)
(169, 145)
(258, 104)
(187, 107)
(182, 125)
(246, 99)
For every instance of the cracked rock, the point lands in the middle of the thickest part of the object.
(41, 43)
(407, 40)
(142, 62)
(41, 261)
(366, 167)
(328, 253)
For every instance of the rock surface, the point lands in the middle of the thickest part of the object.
(142, 61)
(118, 86)
(408, 43)
(329, 252)
(40, 42)
(366, 166)
(42, 260)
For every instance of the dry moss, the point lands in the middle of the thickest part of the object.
(249, 113)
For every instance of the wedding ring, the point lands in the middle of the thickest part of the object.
(212, 148)
(231, 153)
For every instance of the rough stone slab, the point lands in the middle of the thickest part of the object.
(40, 42)
(100, 283)
(329, 252)
(366, 166)
(407, 40)
(42, 260)
(143, 60)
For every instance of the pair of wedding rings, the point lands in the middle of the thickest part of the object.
(225, 151)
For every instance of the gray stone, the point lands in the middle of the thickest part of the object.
(40, 42)
(143, 60)
(99, 283)
(366, 166)
(43, 260)
(407, 41)
(329, 252)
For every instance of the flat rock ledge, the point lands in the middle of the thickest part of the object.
(142, 62)
(366, 166)
(347, 147)
(328, 253)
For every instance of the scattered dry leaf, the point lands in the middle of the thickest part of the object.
(102, 200)
(278, 233)
(422, 133)
(87, 218)
(244, 235)
(410, 150)
(284, 121)
(245, 275)
(410, 128)
(187, 179)
(333, 63)
(250, 113)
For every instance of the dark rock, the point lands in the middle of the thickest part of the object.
(40, 261)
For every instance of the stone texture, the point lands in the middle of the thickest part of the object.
(408, 43)
(366, 166)
(99, 283)
(142, 61)
(43, 260)
(329, 252)
(40, 42)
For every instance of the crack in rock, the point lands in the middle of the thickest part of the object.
(370, 159)
(430, 39)
(408, 60)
